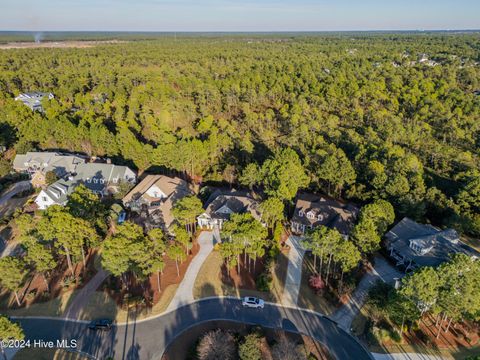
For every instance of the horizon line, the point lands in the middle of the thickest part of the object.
(249, 31)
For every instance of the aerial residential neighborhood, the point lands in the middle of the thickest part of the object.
(225, 180)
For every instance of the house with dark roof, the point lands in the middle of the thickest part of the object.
(102, 179)
(312, 211)
(413, 245)
(221, 204)
(156, 195)
(34, 99)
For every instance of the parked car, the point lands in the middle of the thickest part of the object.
(101, 324)
(253, 302)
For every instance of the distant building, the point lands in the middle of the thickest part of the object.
(156, 195)
(413, 245)
(37, 164)
(221, 205)
(312, 211)
(34, 99)
(102, 179)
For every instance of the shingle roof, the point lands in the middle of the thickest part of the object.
(326, 211)
(96, 176)
(408, 238)
(47, 161)
(169, 186)
(237, 202)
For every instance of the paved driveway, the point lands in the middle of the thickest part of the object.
(294, 271)
(148, 339)
(14, 190)
(381, 271)
(184, 294)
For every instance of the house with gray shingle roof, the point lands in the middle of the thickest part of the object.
(413, 245)
(221, 204)
(37, 164)
(102, 179)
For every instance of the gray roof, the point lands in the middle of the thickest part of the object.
(326, 211)
(59, 190)
(47, 161)
(94, 176)
(235, 201)
(425, 245)
(33, 99)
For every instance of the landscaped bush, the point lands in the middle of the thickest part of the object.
(316, 282)
(249, 349)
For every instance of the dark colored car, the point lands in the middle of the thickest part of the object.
(101, 324)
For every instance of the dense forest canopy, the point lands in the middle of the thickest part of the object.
(371, 116)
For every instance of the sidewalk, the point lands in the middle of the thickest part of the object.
(184, 294)
(382, 271)
(294, 271)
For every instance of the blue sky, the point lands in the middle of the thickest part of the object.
(246, 15)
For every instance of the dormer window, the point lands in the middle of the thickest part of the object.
(102, 181)
(320, 217)
(301, 213)
(95, 181)
(88, 180)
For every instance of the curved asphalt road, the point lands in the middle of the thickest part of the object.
(147, 339)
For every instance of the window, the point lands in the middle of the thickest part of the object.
(310, 215)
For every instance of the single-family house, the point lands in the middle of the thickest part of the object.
(412, 245)
(312, 211)
(102, 179)
(34, 99)
(157, 194)
(37, 164)
(221, 205)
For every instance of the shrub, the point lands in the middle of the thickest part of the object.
(250, 348)
(316, 282)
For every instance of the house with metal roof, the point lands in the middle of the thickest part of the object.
(413, 245)
(34, 99)
(221, 204)
(312, 211)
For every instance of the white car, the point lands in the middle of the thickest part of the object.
(253, 302)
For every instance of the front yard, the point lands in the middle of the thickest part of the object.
(375, 329)
(325, 302)
(213, 280)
